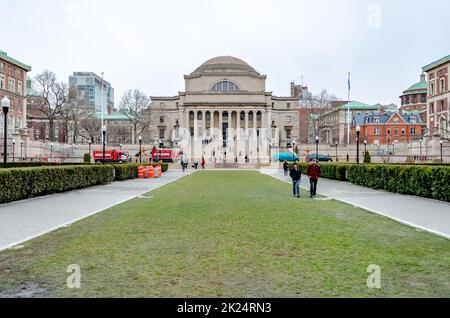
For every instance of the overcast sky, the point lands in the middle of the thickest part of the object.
(150, 45)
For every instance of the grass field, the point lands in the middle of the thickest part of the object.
(231, 234)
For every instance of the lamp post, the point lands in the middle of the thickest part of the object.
(293, 151)
(90, 142)
(420, 142)
(358, 133)
(337, 145)
(140, 149)
(21, 150)
(5, 105)
(393, 147)
(442, 144)
(104, 142)
(365, 146)
(51, 150)
(317, 147)
(14, 151)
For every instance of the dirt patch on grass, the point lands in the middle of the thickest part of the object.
(27, 290)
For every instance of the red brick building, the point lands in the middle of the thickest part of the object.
(438, 97)
(387, 128)
(415, 98)
(13, 76)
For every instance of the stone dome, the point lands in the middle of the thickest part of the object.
(225, 64)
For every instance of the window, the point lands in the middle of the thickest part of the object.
(2, 81)
(376, 131)
(396, 121)
(161, 119)
(413, 131)
(431, 108)
(162, 133)
(377, 120)
(18, 122)
(11, 85)
(389, 131)
(432, 88)
(288, 119)
(403, 131)
(441, 85)
(442, 106)
(288, 133)
(288, 105)
(20, 88)
(2, 66)
(225, 86)
(396, 132)
(413, 120)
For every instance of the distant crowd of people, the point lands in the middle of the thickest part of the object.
(313, 173)
(184, 162)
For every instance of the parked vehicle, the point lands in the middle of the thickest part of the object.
(164, 155)
(320, 158)
(286, 156)
(111, 156)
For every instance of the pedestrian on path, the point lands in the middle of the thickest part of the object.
(203, 163)
(286, 168)
(314, 174)
(296, 176)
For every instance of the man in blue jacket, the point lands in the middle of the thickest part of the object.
(296, 176)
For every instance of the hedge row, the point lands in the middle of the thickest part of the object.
(429, 182)
(40, 164)
(424, 181)
(25, 183)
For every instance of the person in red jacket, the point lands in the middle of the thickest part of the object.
(314, 174)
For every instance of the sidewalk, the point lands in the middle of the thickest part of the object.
(426, 214)
(24, 220)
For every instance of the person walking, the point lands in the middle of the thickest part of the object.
(286, 168)
(203, 163)
(314, 174)
(196, 164)
(296, 176)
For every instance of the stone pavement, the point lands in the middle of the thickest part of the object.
(425, 214)
(24, 220)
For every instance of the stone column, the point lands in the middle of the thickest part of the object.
(238, 125)
(269, 123)
(255, 124)
(211, 129)
(195, 124)
(203, 124)
(246, 122)
(220, 125)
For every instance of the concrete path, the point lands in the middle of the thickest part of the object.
(24, 220)
(426, 214)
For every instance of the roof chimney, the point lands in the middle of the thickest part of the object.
(422, 77)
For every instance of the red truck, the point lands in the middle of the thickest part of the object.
(166, 155)
(110, 156)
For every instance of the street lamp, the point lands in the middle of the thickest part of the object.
(5, 105)
(51, 150)
(358, 133)
(393, 147)
(21, 150)
(293, 151)
(420, 142)
(90, 142)
(140, 149)
(337, 145)
(365, 146)
(317, 147)
(442, 144)
(104, 142)
(14, 147)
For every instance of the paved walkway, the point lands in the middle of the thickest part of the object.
(426, 214)
(24, 220)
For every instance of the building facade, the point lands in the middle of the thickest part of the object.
(438, 97)
(225, 114)
(89, 85)
(386, 128)
(13, 82)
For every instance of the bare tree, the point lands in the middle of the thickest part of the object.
(90, 127)
(318, 104)
(54, 95)
(136, 104)
(73, 112)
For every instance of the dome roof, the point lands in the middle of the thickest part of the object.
(420, 86)
(224, 64)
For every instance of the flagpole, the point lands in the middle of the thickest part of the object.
(348, 110)
(101, 93)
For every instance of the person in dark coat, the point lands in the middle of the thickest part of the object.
(296, 176)
(286, 168)
(314, 174)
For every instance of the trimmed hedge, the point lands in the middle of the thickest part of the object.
(11, 165)
(429, 182)
(25, 183)
(130, 171)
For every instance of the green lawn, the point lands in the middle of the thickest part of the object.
(232, 234)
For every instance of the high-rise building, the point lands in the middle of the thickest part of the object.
(89, 85)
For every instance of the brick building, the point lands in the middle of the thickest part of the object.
(414, 99)
(385, 128)
(438, 97)
(13, 76)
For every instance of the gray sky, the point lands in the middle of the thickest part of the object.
(150, 44)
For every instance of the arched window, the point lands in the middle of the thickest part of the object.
(18, 122)
(225, 86)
